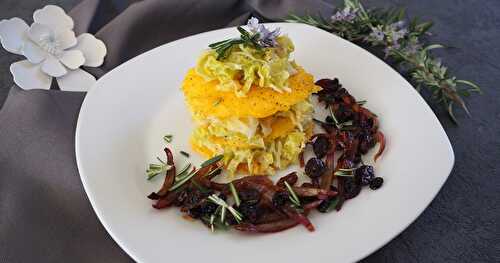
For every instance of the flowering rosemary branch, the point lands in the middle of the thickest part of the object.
(402, 44)
(258, 37)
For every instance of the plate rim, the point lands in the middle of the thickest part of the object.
(365, 52)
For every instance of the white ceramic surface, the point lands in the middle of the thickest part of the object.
(124, 117)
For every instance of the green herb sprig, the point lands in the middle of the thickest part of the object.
(404, 46)
(168, 138)
(156, 169)
(224, 206)
(223, 48)
(340, 126)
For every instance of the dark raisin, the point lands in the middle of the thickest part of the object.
(193, 197)
(366, 142)
(376, 183)
(366, 173)
(195, 212)
(344, 113)
(315, 167)
(280, 199)
(330, 203)
(249, 195)
(223, 196)
(329, 119)
(208, 208)
(230, 219)
(327, 205)
(321, 146)
(357, 158)
(352, 186)
(249, 211)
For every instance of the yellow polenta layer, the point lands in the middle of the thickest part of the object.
(205, 100)
(266, 163)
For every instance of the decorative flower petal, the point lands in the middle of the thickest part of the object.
(53, 67)
(94, 50)
(13, 34)
(77, 80)
(29, 76)
(54, 17)
(66, 39)
(33, 52)
(38, 33)
(72, 59)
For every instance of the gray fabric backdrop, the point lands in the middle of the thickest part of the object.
(44, 213)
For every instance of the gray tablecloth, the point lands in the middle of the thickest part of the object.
(45, 215)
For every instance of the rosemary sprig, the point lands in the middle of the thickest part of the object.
(156, 169)
(224, 206)
(212, 160)
(168, 138)
(404, 47)
(186, 178)
(344, 126)
(258, 37)
(293, 196)
(183, 173)
(222, 48)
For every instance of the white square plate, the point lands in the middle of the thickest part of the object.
(125, 115)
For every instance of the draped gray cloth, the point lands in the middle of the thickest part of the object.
(45, 215)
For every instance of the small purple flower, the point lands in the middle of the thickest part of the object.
(398, 25)
(412, 49)
(377, 34)
(397, 35)
(267, 38)
(346, 15)
(253, 25)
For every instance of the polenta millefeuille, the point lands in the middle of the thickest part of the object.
(250, 103)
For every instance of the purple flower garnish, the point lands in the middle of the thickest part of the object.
(267, 38)
(346, 15)
(377, 34)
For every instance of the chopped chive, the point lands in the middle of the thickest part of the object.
(235, 194)
(184, 153)
(168, 138)
(361, 102)
(212, 160)
(182, 181)
(293, 196)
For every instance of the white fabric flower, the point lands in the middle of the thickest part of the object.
(52, 50)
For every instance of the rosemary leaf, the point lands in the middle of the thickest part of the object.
(237, 200)
(168, 138)
(212, 160)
